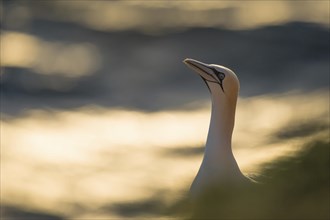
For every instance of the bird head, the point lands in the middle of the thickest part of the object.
(223, 77)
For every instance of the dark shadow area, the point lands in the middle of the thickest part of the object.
(302, 129)
(183, 152)
(15, 213)
(151, 207)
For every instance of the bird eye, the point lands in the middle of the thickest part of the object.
(221, 76)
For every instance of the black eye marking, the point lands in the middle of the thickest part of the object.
(221, 76)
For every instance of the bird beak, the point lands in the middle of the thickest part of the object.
(203, 69)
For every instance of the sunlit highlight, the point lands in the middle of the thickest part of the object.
(28, 51)
(157, 16)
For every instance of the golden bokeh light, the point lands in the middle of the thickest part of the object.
(44, 57)
(18, 49)
(157, 16)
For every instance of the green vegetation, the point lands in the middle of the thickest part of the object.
(290, 188)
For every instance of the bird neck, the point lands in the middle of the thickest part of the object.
(218, 151)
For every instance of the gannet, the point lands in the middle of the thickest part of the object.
(219, 165)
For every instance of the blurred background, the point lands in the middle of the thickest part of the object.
(101, 119)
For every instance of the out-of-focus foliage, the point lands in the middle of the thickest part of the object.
(290, 188)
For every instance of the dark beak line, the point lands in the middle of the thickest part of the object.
(221, 87)
(202, 71)
(220, 83)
